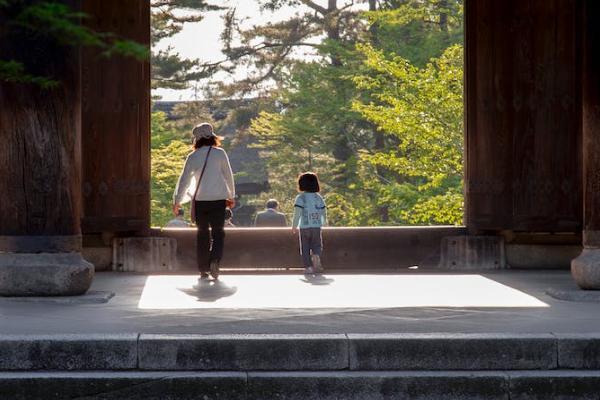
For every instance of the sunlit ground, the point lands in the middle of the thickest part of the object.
(332, 291)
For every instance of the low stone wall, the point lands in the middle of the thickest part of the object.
(352, 248)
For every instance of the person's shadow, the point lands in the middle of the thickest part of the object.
(317, 280)
(209, 291)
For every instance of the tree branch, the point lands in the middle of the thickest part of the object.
(314, 6)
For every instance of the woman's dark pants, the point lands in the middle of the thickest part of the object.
(209, 214)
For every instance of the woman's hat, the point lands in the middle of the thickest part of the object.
(204, 130)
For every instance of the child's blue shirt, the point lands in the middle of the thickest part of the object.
(309, 211)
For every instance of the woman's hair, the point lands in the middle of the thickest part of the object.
(211, 141)
(308, 182)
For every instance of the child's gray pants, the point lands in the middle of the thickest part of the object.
(310, 242)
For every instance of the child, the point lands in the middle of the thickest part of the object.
(310, 214)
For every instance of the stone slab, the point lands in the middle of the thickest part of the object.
(377, 386)
(579, 351)
(574, 294)
(585, 269)
(554, 385)
(243, 352)
(91, 297)
(541, 256)
(123, 386)
(144, 254)
(44, 274)
(68, 352)
(445, 351)
(472, 253)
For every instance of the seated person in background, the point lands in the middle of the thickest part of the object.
(270, 217)
(178, 221)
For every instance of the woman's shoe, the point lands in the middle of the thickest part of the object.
(214, 269)
(309, 271)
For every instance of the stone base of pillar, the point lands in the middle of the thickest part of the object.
(585, 269)
(44, 274)
(472, 253)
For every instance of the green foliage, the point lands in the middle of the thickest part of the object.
(14, 72)
(423, 109)
(379, 117)
(377, 113)
(169, 150)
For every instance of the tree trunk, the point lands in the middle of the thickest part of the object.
(40, 160)
(40, 135)
(443, 6)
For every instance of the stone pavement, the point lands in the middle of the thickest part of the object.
(491, 302)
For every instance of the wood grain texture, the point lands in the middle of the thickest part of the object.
(591, 122)
(116, 123)
(523, 130)
(40, 186)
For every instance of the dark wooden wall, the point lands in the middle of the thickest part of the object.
(116, 123)
(523, 115)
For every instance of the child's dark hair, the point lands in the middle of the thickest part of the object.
(308, 182)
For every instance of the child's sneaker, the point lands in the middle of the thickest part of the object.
(316, 261)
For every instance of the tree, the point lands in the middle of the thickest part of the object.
(169, 69)
(423, 109)
(269, 50)
(168, 152)
(322, 127)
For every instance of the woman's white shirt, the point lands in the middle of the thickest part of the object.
(217, 182)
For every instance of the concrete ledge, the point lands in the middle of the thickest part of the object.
(562, 385)
(579, 351)
(541, 256)
(577, 295)
(352, 248)
(90, 297)
(330, 352)
(347, 385)
(378, 386)
(243, 352)
(452, 352)
(122, 386)
(68, 352)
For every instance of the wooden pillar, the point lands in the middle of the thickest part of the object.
(40, 164)
(116, 124)
(586, 268)
(522, 122)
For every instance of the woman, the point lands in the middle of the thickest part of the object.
(209, 165)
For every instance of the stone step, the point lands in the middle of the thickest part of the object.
(337, 352)
(348, 385)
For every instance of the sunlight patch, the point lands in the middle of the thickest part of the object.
(334, 291)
